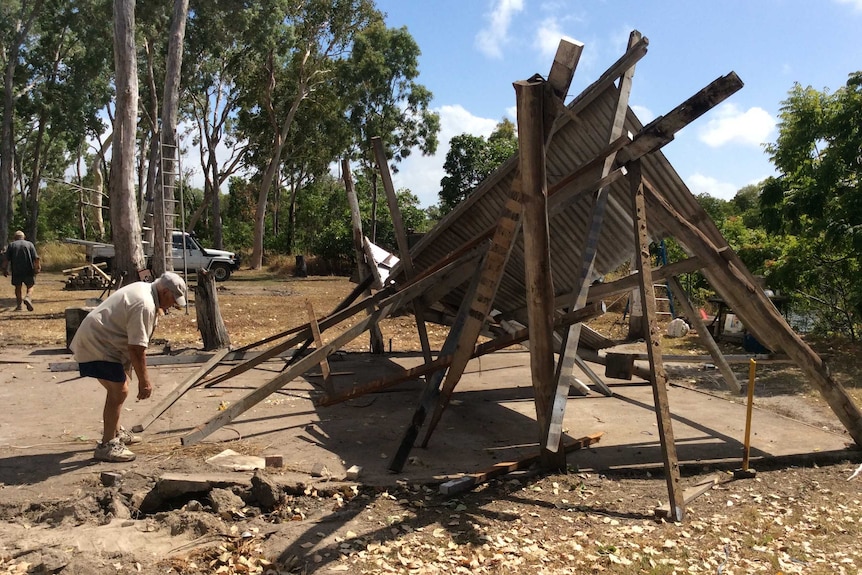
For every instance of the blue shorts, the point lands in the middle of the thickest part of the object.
(107, 370)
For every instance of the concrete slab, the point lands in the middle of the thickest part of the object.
(51, 421)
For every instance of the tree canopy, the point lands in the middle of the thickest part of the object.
(471, 159)
(817, 197)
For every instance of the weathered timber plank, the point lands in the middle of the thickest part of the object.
(405, 259)
(178, 391)
(704, 336)
(658, 376)
(531, 103)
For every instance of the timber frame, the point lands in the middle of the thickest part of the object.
(588, 191)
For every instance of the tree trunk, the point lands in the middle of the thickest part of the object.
(218, 237)
(213, 331)
(269, 177)
(98, 187)
(21, 23)
(125, 226)
(35, 179)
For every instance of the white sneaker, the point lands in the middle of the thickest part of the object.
(114, 451)
(127, 438)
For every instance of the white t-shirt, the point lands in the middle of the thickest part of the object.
(128, 317)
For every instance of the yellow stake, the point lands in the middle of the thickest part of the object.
(752, 366)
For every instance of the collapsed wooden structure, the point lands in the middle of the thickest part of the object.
(588, 191)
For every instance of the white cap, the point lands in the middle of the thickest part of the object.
(175, 284)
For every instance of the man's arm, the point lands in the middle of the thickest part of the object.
(138, 353)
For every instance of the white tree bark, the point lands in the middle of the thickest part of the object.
(125, 226)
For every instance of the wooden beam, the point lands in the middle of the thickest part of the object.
(662, 130)
(569, 346)
(443, 361)
(704, 336)
(471, 480)
(404, 256)
(300, 367)
(376, 338)
(689, 495)
(658, 376)
(178, 391)
(431, 392)
(318, 342)
(736, 285)
(531, 103)
(632, 56)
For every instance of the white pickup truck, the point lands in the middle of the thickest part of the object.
(218, 262)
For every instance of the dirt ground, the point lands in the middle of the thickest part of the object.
(173, 511)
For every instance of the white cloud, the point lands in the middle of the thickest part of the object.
(548, 37)
(730, 124)
(644, 114)
(422, 174)
(857, 4)
(701, 184)
(490, 39)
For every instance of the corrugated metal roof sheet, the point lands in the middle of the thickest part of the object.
(574, 143)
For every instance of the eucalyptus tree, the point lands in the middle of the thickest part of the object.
(68, 61)
(125, 225)
(385, 100)
(224, 39)
(17, 23)
(302, 54)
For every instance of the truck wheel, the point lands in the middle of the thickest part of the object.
(221, 272)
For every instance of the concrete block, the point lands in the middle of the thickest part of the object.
(274, 461)
(457, 485)
(354, 472)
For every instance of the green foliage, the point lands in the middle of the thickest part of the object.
(471, 159)
(818, 198)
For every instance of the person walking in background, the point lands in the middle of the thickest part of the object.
(112, 340)
(23, 262)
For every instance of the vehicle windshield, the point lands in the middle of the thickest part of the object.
(191, 243)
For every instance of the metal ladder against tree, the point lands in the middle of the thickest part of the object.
(171, 170)
(668, 294)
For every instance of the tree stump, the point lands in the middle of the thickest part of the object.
(210, 323)
(301, 269)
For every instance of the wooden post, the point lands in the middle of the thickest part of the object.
(318, 341)
(210, 323)
(504, 235)
(376, 337)
(532, 97)
(401, 237)
(658, 377)
(704, 336)
(431, 394)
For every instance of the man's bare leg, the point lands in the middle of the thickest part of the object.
(117, 393)
(18, 295)
(27, 299)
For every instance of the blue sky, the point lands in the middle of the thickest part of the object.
(473, 50)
